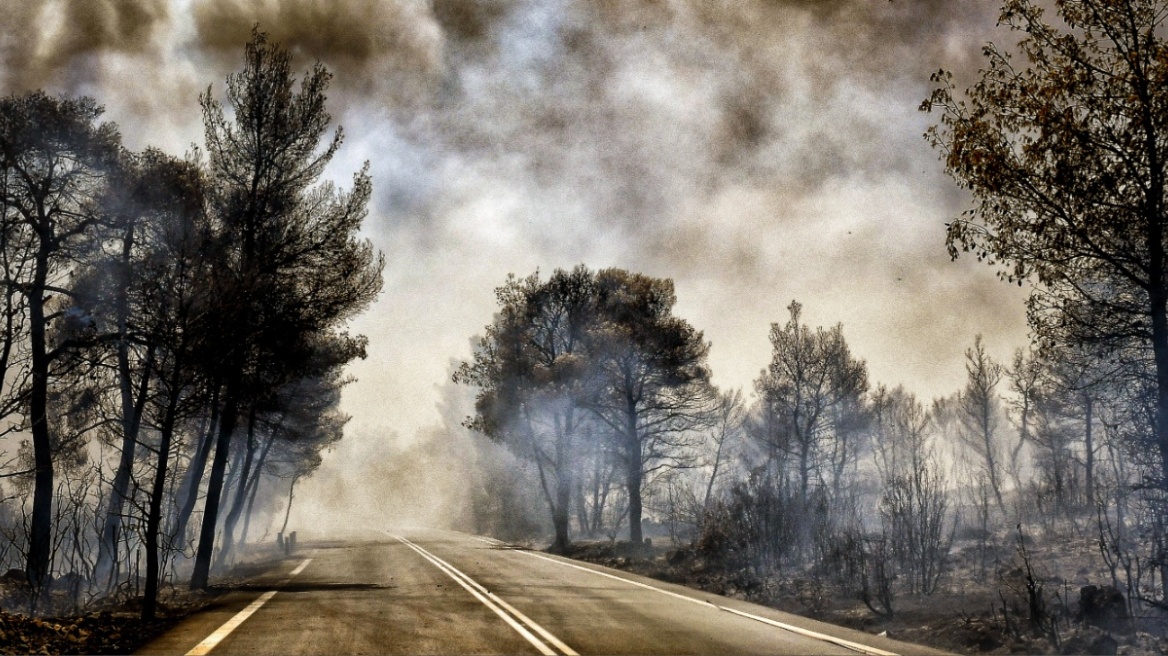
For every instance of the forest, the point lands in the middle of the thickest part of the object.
(174, 333)
(1036, 491)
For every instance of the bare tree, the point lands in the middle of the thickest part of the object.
(728, 428)
(1025, 376)
(812, 393)
(914, 504)
(978, 410)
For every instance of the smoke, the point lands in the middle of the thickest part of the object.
(754, 151)
(49, 38)
(374, 46)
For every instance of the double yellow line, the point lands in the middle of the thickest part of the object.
(512, 616)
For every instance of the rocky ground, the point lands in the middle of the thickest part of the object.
(963, 617)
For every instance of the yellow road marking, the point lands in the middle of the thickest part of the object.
(230, 625)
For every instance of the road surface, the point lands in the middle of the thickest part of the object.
(440, 592)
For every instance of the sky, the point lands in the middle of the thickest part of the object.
(754, 151)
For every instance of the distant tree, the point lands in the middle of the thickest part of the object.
(812, 394)
(594, 356)
(901, 428)
(1066, 155)
(727, 427)
(979, 412)
(533, 369)
(652, 390)
(56, 161)
(914, 502)
(1025, 378)
(1081, 382)
(302, 411)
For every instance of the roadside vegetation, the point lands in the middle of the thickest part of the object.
(172, 348)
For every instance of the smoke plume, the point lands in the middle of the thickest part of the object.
(755, 151)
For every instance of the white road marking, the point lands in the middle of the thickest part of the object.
(230, 625)
(543, 649)
(495, 603)
(847, 644)
(568, 651)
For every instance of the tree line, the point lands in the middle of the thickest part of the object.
(173, 334)
(1062, 145)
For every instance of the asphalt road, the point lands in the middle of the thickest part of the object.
(439, 592)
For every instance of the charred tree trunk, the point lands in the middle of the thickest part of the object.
(633, 484)
(133, 404)
(157, 492)
(561, 507)
(288, 508)
(1089, 461)
(1160, 350)
(194, 475)
(254, 484)
(804, 474)
(581, 509)
(633, 476)
(1159, 298)
(243, 479)
(206, 549)
(560, 514)
(40, 533)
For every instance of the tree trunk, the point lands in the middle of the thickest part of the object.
(154, 515)
(193, 478)
(633, 484)
(206, 549)
(254, 484)
(132, 408)
(243, 479)
(1160, 350)
(633, 476)
(1089, 447)
(561, 508)
(581, 509)
(40, 533)
(714, 473)
(288, 509)
(560, 511)
(804, 474)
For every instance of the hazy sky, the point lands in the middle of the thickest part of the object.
(755, 151)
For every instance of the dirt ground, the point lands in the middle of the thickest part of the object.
(107, 626)
(964, 616)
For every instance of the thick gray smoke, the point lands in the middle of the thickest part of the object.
(755, 151)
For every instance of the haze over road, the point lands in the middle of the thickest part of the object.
(440, 592)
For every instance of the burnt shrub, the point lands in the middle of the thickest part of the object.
(756, 527)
